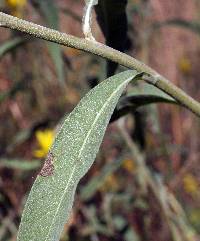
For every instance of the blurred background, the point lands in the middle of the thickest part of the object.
(40, 82)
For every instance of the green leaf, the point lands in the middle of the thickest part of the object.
(50, 13)
(190, 25)
(10, 45)
(20, 164)
(56, 55)
(18, 86)
(140, 96)
(145, 95)
(149, 90)
(50, 201)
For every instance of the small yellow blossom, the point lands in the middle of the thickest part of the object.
(185, 65)
(129, 165)
(190, 184)
(16, 6)
(16, 3)
(45, 139)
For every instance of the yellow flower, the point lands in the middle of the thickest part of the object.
(190, 184)
(16, 3)
(129, 165)
(16, 7)
(45, 139)
(185, 65)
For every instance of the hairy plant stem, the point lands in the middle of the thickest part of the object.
(150, 75)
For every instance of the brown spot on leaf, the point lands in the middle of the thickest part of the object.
(48, 168)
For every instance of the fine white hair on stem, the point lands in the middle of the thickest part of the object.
(87, 19)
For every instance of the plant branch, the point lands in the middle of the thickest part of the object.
(170, 207)
(150, 75)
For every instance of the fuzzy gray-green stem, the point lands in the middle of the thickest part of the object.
(104, 51)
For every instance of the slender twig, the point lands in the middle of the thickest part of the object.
(150, 76)
(168, 203)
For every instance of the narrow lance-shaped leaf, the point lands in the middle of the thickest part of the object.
(73, 152)
(50, 12)
(140, 96)
(190, 25)
(24, 165)
(10, 45)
